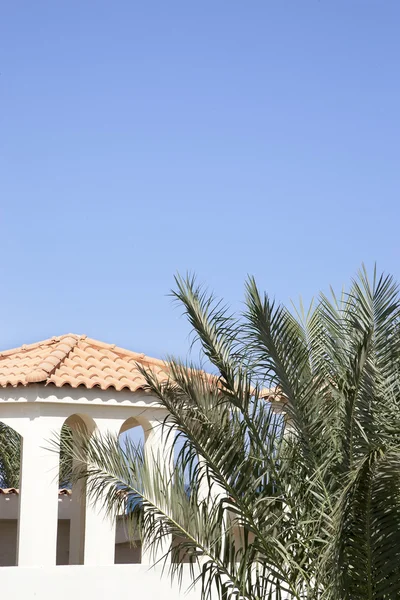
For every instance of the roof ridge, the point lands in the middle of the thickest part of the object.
(25, 347)
(137, 355)
(140, 356)
(64, 345)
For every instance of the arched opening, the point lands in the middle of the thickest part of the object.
(10, 469)
(128, 546)
(71, 498)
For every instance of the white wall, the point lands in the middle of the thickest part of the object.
(37, 413)
(84, 582)
(9, 505)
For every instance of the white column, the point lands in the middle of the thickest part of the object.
(212, 494)
(77, 524)
(159, 456)
(38, 513)
(100, 527)
(77, 520)
(209, 489)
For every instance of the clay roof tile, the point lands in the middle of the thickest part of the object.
(77, 360)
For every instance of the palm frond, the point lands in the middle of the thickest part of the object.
(302, 504)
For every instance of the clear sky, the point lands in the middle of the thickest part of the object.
(138, 139)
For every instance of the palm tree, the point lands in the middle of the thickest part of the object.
(10, 457)
(296, 437)
(10, 444)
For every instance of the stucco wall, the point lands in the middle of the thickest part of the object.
(136, 581)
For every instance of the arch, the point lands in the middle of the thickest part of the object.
(133, 428)
(72, 498)
(78, 421)
(128, 547)
(10, 474)
(13, 423)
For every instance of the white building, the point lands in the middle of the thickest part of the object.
(72, 379)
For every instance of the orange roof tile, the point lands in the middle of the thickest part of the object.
(76, 360)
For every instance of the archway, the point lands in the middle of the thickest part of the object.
(186, 463)
(10, 474)
(128, 546)
(71, 498)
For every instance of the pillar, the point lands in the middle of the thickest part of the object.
(38, 512)
(158, 456)
(77, 520)
(212, 495)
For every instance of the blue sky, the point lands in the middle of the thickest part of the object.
(138, 139)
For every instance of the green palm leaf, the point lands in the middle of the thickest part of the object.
(295, 491)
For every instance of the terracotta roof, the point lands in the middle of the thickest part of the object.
(76, 360)
(15, 491)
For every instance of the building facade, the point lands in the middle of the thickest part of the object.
(60, 540)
